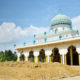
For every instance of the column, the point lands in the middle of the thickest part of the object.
(26, 53)
(78, 50)
(63, 52)
(26, 58)
(48, 52)
(61, 58)
(48, 58)
(36, 54)
(79, 59)
(18, 57)
(65, 60)
(36, 59)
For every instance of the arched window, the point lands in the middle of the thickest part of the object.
(31, 56)
(72, 56)
(55, 56)
(42, 55)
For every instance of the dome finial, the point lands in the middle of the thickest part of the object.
(60, 11)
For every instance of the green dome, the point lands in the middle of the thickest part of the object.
(60, 19)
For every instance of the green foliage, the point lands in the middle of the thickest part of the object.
(2, 56)
(22, 57)
(8, 55)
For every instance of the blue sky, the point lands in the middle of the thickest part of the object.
(36, 12)
(25, 14)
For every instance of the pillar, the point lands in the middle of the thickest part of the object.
(26, 53)
(48, 52)
(48, 58)
(26, 59)
(18, 57)
(65, 60)
(78, 50)
(61, 58)
(63, 52)
(36, 59)
(79, 59)
(36, 54)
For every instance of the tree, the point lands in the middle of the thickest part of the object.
(22, 57)
(2, 56)
(9, 56)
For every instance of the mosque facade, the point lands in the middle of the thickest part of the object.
(61, 44)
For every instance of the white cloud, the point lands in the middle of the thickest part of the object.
(9, 32)
(76, 23)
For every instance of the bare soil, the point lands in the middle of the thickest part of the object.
(36, 71)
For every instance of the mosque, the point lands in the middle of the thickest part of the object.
(61, 44)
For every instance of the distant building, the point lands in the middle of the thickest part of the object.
(62, 44)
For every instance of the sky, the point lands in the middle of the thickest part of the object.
(21, 19)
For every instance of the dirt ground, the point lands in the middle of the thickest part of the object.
(36, 71)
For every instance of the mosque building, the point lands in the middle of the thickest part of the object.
(61, 44)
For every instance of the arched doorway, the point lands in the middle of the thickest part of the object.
(22, 57)
(72, 56)
(31, 56)
(42, 55)
(55, 56)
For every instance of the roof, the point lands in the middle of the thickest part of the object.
(60, 19)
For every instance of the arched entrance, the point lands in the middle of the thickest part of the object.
(22, 57)
(72, 56)
(31, 56)
(55, 56)
(42, 55)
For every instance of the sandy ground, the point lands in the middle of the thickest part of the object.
(72, 78)
(36, 71)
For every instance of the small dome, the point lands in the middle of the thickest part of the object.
(60, 19)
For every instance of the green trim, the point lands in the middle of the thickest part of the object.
(24, 43)
(60, 23)
(34, 35)
(77, 32)
(45, 33)
(70, 27)
(60, 36)
(45, 40)
(14, 45)
(55, 31)
(34, 41)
